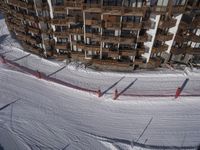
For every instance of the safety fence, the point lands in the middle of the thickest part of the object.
(98, 92)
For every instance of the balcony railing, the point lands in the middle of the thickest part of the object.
(49, 42)
(113, 54)
(18, 3)
(34, 30)
(77, 55)
(193, 51)
(95, 48)
(127, 40)
(73, 4)
(63, 21)
(130, 52)
(59, 9)
(92, 7)
(194, 38)
(131, 26)
(93, 36)
(178, 51)
(61, 34)
(111, 39)
(114, 10)
(167, 23)
(144, 38)
(61, 46)
(112, 25)
(134, 11)
(141, 51)
(178, 9)
(42, 6)
(76, 31)
(164, 37)
(160, 48)
(159, 9)
(147, 24)
(92, 22)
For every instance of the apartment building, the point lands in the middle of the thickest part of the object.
(108, 34)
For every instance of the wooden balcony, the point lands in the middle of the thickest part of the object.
(35, 50)
(144, 38)
(78, 45)
(93, 36)
(63, 21)
(181, 38)
(194, 38)
(78, 31)
(18, 15)
(47, 31)
(95, 48)
(61, 34)
(159, 9)
(183, 25)
(34, 30)
(178, 51)
(131, 26)
(61, 45)
(113, 54)
(163, 37)
(138, 61)
(196, 22)
(112, 10)
(110, 39)
(159, 49)
(42, 6)
(78, 55)
(59, 9)
(130, 52)
(140, 51)
(193, 51)
(134, 11)
(127, 40)
(73, 4)
(49, 42)
(18, 3)
(92, 22)
(112, 25)
(178, 9)
(32, 40)
(21, 36)
(30, 18)
(167, 23)
(45, 19)
(147, 24)
(92, 7)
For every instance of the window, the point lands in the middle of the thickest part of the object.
(178, 2)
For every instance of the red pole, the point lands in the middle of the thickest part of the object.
(115, 94)
(99, 93)
(178, 92)
(39, 74)
(3, 59)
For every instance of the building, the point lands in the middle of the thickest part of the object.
(113, 34)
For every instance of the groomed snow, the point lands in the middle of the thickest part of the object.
(47, 115)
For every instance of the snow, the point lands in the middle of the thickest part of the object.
(48, 115)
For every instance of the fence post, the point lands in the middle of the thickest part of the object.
(38, 74)
(99, 93)
(3, 59)
(178, 92)
(115, 94)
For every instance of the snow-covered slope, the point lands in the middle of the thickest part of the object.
(50, 116)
